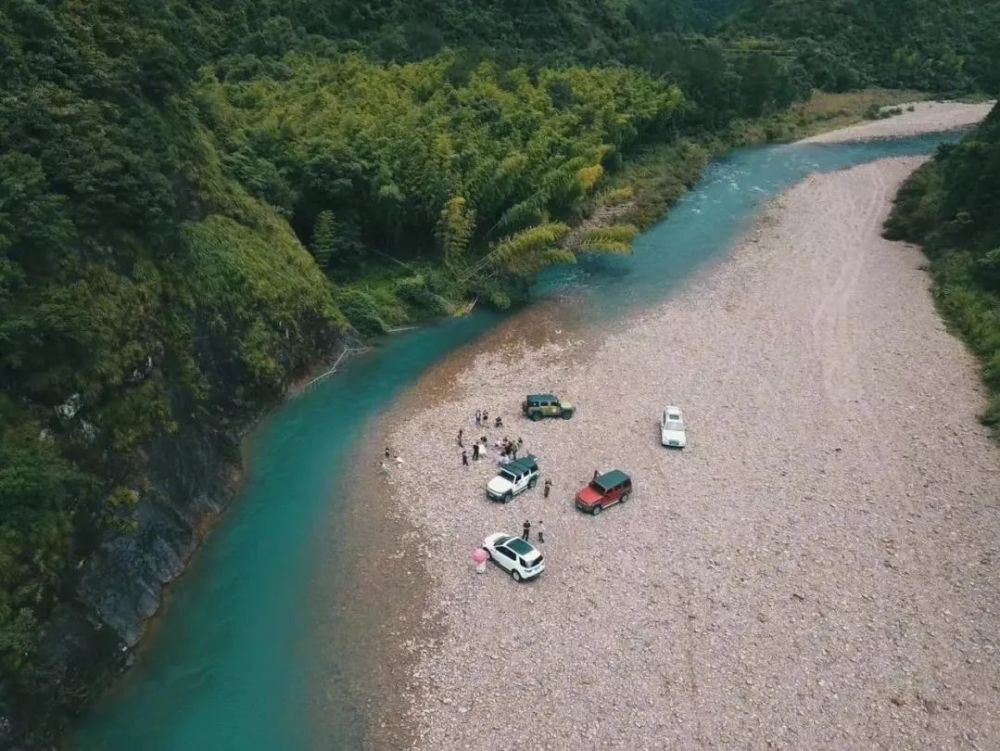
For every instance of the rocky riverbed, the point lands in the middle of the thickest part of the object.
(818, 569)
(914, 119)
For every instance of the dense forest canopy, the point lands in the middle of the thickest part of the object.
(189, 188)
(932, 45)
(384, 149)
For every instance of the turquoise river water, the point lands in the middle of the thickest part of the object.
(228, 667)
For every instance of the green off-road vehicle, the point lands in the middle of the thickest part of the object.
(537, 406)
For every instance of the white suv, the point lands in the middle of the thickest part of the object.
(518, 557)
(672, 431)
(513, 478)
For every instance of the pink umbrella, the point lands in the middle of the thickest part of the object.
(480, 556)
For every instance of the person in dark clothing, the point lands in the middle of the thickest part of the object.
(498, 423)
(527, 530)
(460, 436)
(548, 487)
(486, 418)
(465, 459)
(520, 442)
(596, 474)
(541, 531)
(387, 455)
(475, 452)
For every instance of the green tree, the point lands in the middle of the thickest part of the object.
(324, 242)
(454, 230)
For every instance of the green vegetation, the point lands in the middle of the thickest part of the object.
(653, 178)
(950, 206)
(199, 198)
(143, 295)
(477, 170)
(932, 45)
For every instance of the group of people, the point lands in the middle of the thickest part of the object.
(539, 530)
(508, 448)
(483, 419)
(388, 453)
(508, 453)
(479, 450)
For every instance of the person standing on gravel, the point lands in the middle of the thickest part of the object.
(460, 436)
(475, 452)
(465, 458)
(541, 531)
(548, 487)
(479, 418)
(527, 530)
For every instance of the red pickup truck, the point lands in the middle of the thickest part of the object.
(603, 491)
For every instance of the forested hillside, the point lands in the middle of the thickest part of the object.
(475, 171)
(931, 45)
(149, 308)
(951, 206)
(201, 199)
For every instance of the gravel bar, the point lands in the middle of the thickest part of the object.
(818, 569)
(923, 118)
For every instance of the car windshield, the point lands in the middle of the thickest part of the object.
(509, 476)
(521, 547)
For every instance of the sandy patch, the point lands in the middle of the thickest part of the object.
(818, 569)
(926, 117)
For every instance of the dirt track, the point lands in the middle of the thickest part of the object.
(819, 569)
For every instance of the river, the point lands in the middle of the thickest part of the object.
(229, 664)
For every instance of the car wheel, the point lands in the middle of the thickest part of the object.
(515, 575)
(597, 509)
(567, 415)
(625, 497)
(536, 416)
(508, 497)
(532, 482)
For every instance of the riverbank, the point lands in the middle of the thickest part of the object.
(640, 192)
(914, 118)
(815, 569)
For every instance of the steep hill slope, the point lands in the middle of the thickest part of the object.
(150, 309)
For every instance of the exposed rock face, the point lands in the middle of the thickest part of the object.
(123, 583)
(120, 586)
